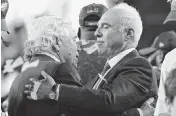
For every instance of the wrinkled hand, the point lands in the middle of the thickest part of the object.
(4, 114)
(39, 89)
(4, 105)
(147, 109)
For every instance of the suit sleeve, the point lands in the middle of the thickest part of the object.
(131, 112)
(129, 87)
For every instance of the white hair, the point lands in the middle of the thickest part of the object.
(45, 33)
(129, 18)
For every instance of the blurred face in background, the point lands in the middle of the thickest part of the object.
(16, 39)
(170, 91)
(159, 58)
(87, 33)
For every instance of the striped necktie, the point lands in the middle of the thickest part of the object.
(101, 77)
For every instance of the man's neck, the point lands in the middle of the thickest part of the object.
(116, 52)
(114, 60)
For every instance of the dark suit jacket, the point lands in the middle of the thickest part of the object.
(130, 83)
(131, 112)
(20, 106)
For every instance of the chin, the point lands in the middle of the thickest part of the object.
(102, 53)
(75, 63)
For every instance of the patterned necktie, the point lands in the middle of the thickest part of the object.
(101, 77)
(106, 68)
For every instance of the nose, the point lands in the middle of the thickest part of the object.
(98, 33)
(77, 54)
(78, 47)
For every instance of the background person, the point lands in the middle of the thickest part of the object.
(155, 54)
(170, 86)
(168, 63)
(90, 63)
(13, 39)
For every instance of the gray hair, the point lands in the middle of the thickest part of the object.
(129, 18)
(45, 33)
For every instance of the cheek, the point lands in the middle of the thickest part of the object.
(73, 49)
(115, 40)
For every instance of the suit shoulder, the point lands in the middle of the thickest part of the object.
(34, 68)
(139, 61)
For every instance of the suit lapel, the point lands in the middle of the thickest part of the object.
(128, 57)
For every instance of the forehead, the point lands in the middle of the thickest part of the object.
(111, 16)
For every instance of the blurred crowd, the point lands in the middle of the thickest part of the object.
(161, 53)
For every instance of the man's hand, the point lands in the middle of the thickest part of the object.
(40, 89)
(147, 109)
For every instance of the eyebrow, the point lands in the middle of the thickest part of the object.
(104, 23)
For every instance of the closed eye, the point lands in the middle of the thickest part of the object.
(105, 26)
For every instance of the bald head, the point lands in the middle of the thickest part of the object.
(118, 29)
(125, 16)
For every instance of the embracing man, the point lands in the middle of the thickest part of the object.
(127, 80)
(50, 41)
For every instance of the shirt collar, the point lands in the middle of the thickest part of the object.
(51, 56)
(114, 60)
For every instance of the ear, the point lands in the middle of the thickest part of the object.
(57, 46)
(129, 34)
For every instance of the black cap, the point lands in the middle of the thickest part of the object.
(91, 14)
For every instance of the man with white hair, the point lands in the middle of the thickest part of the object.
(51, 44)
(127, 79)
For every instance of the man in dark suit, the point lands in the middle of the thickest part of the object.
(127, 79)
(51, 40)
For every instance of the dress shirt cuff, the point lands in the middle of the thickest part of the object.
(140, 111)
(57, 92)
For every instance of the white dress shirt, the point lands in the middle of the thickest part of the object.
(112, 62)
(169, 63)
